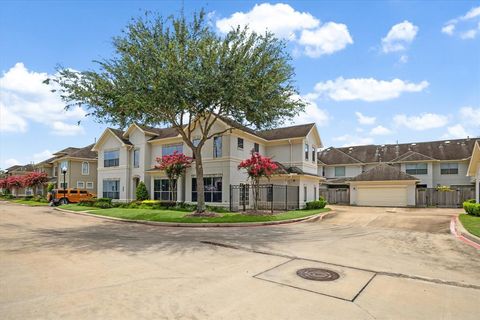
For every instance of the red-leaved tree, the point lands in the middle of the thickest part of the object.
(257, 166)
(3, 184)
(35, 179)
(14, 182)
(174, 166)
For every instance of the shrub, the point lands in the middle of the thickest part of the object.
(217, 209)
(108, 200)
(87, 202)
(28, 198)
(472, 208)
(318, 204)
(102, 205)
(50, 187)
(142, 192)
(471, 201)
(150, 202)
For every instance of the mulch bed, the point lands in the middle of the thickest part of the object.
(205, 214)
(260, 213)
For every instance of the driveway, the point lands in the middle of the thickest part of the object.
(390, 265)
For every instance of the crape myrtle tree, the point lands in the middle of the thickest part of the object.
(35, 179)
(175, 165)
(257, 167)
(181, 73)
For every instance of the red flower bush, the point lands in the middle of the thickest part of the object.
(14, 182)
(34, 179)
(3, 183)
(257, 166)
(174, 166)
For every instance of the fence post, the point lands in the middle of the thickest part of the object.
(244, 196)
(231, 198)
(286, 198)
(271, 207)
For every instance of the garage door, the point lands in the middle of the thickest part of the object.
(385, 196)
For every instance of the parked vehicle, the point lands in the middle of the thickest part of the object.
(60, 196)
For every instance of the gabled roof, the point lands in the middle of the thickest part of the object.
(162, 133)
(336, 156)
(383, 172)
(472, 166)
(119, 134)
(65, 151)
(84, 153)
(412, 156)
(297, 131)
(442, 150)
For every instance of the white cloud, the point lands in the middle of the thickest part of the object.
(40, 156)
(422, 122)
(362, 119)
(280, 18)
(448, 29)
(366, 89)
(403, 58)
(312, 113)
(63, 129)
(380, 131)
(456, 132)
(10, 122)
(469, 24)
(470, 116)
(11, 162)
(287, 23)
(353, 140)
(399, 36)
(25, 98)
(327, 39)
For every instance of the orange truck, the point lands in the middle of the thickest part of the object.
(60, 196)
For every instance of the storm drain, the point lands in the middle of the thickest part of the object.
(318, 274)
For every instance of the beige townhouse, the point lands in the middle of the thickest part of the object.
(127, 157)
(405, 169)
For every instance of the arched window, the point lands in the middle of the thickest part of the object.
(85, 168)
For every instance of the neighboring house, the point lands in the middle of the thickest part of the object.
(126, 158)
(20, 170)
(387, 174)
(474, 169)
(80, 165)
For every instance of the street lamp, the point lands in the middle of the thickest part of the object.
(64, 171)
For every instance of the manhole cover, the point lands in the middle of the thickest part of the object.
(318, 274)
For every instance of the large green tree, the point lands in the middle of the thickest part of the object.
(181, 73)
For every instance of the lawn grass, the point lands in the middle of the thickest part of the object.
(471, 223)
(76, 207)
(178, 216)
(29, 202)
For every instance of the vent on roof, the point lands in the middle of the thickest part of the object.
(414, 144)
(447, 141)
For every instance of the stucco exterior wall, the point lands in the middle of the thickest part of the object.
(451, 179)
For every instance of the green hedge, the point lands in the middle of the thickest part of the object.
(472, 208)
(319, 204)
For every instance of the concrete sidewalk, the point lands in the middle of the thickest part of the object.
(55, 265)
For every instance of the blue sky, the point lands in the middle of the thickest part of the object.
(372, 72)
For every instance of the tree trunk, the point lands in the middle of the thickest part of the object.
(200, 186)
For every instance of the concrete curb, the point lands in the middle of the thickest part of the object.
(464, 232)
(316, 217)
(457, 229)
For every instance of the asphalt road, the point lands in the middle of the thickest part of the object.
(392, 263)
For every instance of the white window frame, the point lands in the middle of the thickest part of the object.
(80, 185)
(88, 168)
(136, 151)
(217, 152)
(87, 184)
(307, 151)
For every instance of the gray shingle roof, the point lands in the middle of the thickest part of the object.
(458, 149)
(383, 172)
(85, 153)
(286, 132)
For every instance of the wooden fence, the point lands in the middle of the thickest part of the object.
(336, 196)
(431, 197)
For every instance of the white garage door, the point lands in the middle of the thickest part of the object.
(385, 196)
